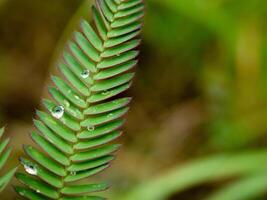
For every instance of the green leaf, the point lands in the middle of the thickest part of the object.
(129, 4)
(69, 107)
(61, 144)
(58, 128)
(84, 114)
(37, 186)
(87, 48)
(69, 92)
(96, 153)
(51, 150)
(127, 20)
(121, 31)
(130, 11)
(4, 155)
(45, 161)
(108, 106)
(112, 82)
(78, 189)
(124, 38)
(81, 57)
(105, 10)
(74, 66)
(65, 119)
(83, 198)
(116, 51)
(91, 35)
(93, 132)
(29, 194)
(76, 82)
(97, 141)
(104, 118)
(42, 173)
(5, 179)
(111, 72)
(75, 176)
(87, 165)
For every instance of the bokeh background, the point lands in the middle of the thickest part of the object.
(200, 91)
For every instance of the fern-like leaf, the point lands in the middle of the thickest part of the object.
(85, 113)
(4, 155)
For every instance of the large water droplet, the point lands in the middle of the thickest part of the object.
(90, 128)
(85, 73)
(31, 169)
(58, 112)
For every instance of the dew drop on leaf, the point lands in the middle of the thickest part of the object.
(76, 97)
(58, 112)
(105, 92)
(31, 169)
(91, 128)
(85, 73)
(73, 173)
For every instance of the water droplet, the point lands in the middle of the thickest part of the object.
(118, 54)
(85, 73)
(106, 92)
(76, 97)
(73, 173)
(31, 169)
(58, 112)
(91, 128)
(38, 191)
(110, 115)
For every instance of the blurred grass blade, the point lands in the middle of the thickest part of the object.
(4, 155)
(198, 172)
(246, 188)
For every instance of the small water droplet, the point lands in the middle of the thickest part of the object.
(91, 128)
(110, 115)
(118, 54)
(31, 169)
(76, 97)
(38, 191)
(73, 173)
(106, 92)
(85, 73)
(58, 112)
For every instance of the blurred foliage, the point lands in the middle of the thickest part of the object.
(201, 86)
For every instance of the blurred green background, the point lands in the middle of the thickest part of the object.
(200, 91)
